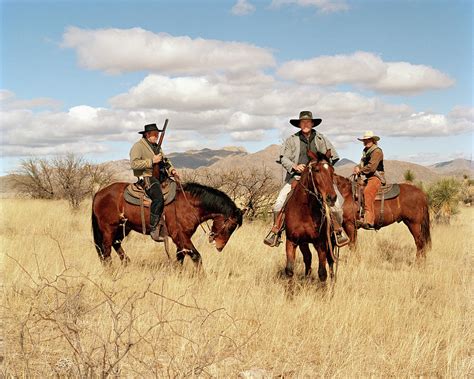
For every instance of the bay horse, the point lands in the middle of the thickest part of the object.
(113, 219)
(307, 215)
(409, 207)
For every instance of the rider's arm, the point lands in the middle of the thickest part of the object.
(287, 151)
(136, 160)
(168, 165)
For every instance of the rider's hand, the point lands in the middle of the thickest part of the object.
(175, 174)
(356, 170)
(299, 168)
(157, 158)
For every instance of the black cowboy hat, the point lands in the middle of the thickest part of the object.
(305, 115)
(150, 128)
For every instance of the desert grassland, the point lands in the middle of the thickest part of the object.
(385, 315)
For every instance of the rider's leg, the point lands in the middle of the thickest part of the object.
(273, 237)
(337, 219)
(156, 207)
(373, 185)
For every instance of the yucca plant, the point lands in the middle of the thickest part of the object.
(443, 198)
(409, 176)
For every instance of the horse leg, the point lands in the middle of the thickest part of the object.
(290, 257)
(321, 249)
(415, 230)
(107, 242)
(351, 232)
(307, 258)
(196, 258)
(117, 245)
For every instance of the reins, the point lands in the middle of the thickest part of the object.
(326, 214)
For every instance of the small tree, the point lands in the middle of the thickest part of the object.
(35, 178)
(409, 176)
(443, 197)
(65, 177)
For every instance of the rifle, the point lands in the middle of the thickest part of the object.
(156, 166)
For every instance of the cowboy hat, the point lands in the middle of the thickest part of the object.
(305, 115)
(150, 128)
(369, 134)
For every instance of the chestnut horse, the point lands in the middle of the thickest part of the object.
(306, 216)
(113, 219)
(411, 207)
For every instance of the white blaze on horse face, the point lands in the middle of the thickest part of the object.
(326, 166)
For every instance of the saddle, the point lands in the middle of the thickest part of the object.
(135, 194)
(386, 192)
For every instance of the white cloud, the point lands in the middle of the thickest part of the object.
(242, 8)
(254, 135)
(325, 6)
(366, 70)
(136, 49)
(204, 110)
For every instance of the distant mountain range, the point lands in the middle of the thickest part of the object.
(229, 158)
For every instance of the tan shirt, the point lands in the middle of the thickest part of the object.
(141, 159)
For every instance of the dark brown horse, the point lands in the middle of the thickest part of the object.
(306, 216)
(411, 207)
(113, 219)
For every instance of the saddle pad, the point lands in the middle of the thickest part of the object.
(389, 191)
(133, 193)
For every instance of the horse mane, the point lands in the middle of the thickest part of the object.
(214, 200)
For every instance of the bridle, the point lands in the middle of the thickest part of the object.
(212, 235)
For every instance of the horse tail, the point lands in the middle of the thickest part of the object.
(425, 227)
(98, 236)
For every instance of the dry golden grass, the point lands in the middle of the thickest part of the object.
(64, 314)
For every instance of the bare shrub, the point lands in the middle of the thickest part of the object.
(254, 188)
(35, 178)
(67, 177)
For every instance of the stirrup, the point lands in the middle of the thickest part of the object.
(341, 238)
(272, 239)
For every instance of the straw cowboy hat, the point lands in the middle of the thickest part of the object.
(305, 115)
(369, 134)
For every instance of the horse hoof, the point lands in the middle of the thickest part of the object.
(289, 272)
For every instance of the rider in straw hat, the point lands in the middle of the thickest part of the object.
(143, 154)
(372, 170)
(294, 158)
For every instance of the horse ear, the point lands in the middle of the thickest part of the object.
(311, 155)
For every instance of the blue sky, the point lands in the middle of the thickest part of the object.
(85, 76)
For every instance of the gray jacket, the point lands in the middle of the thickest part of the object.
(290, 152)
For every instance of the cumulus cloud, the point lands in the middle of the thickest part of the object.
(242, 8)
(365, 70)
(125, 50)
(325, 6)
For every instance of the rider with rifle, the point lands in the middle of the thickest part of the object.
(151, 167)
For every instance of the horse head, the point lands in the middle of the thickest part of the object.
(319, 176)
(223, 227)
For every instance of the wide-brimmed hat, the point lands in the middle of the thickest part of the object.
(369, 134)
(305, 115)
(150, 128)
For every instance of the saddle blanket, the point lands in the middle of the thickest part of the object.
(134, 193)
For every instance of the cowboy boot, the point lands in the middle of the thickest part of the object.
(155, 228)
(273, 238)
(340, 235)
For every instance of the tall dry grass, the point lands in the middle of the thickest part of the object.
(65, 315)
